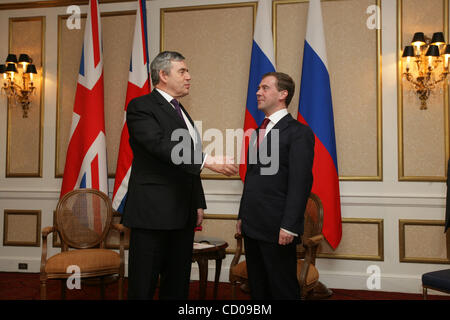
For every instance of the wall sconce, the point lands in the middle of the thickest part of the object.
(426, 64)
(15, 69)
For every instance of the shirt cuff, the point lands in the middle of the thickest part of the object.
(291, 233)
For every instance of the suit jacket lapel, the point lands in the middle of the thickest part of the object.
(280, 126)
(198, 138)
(187, 115)
(168, 108)
(265, 148)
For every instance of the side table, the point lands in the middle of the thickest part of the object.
(201, 255)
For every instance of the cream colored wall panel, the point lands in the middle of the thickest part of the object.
(362, 239)
(423, 241)
(22, 228)
(24, 137)
(423, 134)
(355, 77)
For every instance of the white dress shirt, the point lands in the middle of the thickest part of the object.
(274, 118)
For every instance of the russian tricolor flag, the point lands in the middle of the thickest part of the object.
(86, 165)
(316, 110)
(138, 85)
(262, 61)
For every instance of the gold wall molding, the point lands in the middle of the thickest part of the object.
(17, 229)
(378, 82)
(378, 222)
(380, 242)
(221, 216)
(51, 4)
(400, 103)
(202, 7)
(402, 223)
(20, 152)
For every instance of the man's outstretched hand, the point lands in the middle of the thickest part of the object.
(224, 165)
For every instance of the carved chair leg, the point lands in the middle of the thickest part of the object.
(233, 290)
(102, 287)
(120, 288)
(63, 289)
(43, 289)
(302, 294)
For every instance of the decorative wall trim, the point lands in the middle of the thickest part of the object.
(7, 241)
(402, 244)
(379, 176)
(52, 3)
(378, 257)
(40, 104)
(202, 7)
(351, 199)
(401, 160)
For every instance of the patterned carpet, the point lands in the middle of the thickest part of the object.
(25, 286)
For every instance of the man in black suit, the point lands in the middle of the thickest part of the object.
(165, 198)
(273, 202)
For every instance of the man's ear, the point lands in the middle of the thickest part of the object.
(283, 95)
(163, 76)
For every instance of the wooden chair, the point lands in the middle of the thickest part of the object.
(437, 280)
(83, 220)
(307, 274)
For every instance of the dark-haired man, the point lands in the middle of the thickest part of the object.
(272, 207)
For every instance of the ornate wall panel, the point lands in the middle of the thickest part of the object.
(423, 241)
(423, 145)
(362, 239)
(22, 228)
(24, 135)
(354, 64)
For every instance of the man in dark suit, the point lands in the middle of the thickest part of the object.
(165, 198)
(273, 202)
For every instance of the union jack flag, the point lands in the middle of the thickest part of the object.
(86, 165)
(138, 85)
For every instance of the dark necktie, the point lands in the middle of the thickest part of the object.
(262, 130)
(177, 108)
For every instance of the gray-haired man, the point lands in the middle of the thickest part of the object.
(165, 196)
